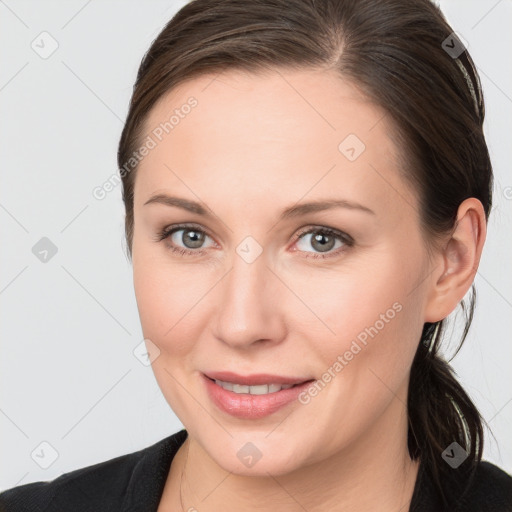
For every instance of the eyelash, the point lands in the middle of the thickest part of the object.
(344, 237)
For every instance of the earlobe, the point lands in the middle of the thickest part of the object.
(458, 261)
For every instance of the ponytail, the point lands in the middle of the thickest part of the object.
(440, 412)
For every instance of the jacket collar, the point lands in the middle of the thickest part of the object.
(149, 475)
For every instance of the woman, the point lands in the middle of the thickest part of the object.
(307, 187)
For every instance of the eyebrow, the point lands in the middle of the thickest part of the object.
(293, 211)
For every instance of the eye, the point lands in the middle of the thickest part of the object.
(192, 238)
(324, 239)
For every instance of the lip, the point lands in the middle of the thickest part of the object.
(255, 379)
(247, 406)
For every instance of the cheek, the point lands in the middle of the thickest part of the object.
(365, 364)
(353, 302)
(368, 319)
(167, 301)
(169, 298)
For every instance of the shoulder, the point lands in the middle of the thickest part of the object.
(490, 490)
(101, 486)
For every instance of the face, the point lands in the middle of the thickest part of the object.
(248, 282)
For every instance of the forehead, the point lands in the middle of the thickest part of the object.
(263, 135)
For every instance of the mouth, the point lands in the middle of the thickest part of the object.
(254, 400)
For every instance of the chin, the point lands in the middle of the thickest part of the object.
(255, 455)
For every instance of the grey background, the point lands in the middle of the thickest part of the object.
(69, 326)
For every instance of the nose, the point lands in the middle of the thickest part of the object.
(250, 307)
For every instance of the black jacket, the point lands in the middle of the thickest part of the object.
(135, 482)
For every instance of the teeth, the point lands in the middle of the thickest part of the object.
(238, 388)
(262, 389)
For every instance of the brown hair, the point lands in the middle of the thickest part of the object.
(398, 53)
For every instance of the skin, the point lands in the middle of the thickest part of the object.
(253, 146)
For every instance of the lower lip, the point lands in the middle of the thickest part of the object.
(245, 405)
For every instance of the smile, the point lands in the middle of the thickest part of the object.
(256, 400)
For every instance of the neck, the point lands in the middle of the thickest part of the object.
(374, 473)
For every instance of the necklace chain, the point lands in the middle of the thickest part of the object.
(181, 479)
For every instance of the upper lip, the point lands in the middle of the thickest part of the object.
(255, 379)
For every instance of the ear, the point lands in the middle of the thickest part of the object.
(456, 264)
